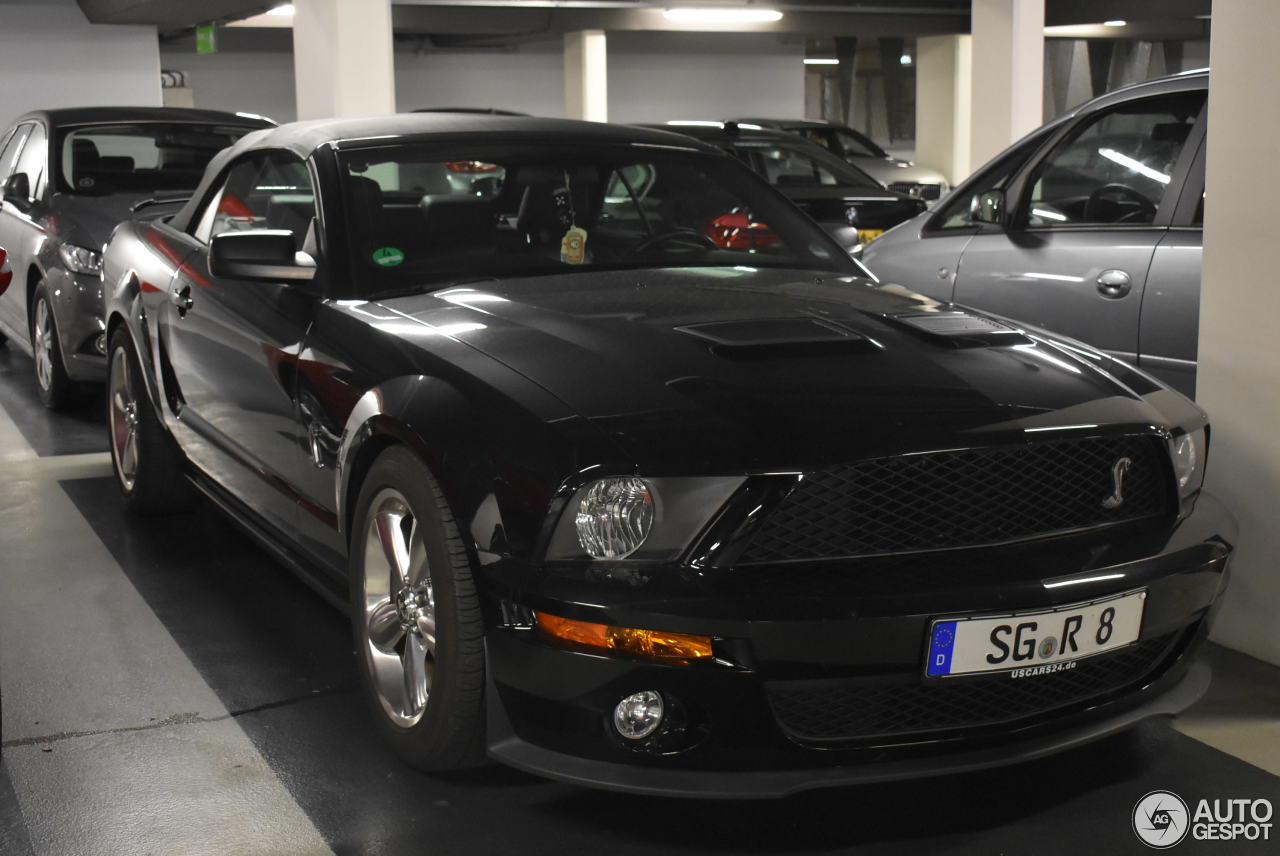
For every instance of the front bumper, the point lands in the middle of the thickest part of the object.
(506, 747)
(841, 634)
(77, 311)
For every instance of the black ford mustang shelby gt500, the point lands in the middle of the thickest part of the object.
(617, 500)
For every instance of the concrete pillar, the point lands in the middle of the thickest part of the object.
(1239, 375)
(1007, 86)
(342, 59)
(586, 81)
(943, 71)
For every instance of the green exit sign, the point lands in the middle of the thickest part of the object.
(206, 39)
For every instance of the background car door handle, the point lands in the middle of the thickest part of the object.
(181, 298)
(1114, 283)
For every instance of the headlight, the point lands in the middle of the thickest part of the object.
(628, 517)
(614, 517)
(80, 259)
(1188, 451)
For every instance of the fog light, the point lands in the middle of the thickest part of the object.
(638, 715)
(100, 344)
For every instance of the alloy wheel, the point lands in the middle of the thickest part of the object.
(124, 419)
(399, 616)
(42, 343)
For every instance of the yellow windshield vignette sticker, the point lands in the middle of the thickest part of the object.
(573, 246)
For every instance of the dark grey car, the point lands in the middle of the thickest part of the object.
(67, 177)
(1091, 226)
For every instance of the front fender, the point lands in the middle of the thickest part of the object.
(499, 496)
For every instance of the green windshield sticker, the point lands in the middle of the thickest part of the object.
(387, 256)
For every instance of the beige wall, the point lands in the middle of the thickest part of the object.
(1239, 378)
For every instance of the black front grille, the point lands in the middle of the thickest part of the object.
(928, 192)
(963, 498)
(826, 711)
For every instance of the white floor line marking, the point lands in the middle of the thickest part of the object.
(81, 651)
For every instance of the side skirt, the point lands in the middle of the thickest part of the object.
(326, 582)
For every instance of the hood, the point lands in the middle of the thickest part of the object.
(87, 221)
(696, 370)
(891, 170)
(873, 207)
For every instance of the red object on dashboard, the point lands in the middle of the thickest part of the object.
(737, 231)
(470, 166)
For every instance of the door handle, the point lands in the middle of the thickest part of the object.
(1114, 284)
(181, 298)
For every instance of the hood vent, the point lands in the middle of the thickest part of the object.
(960, 329)
(767, 337)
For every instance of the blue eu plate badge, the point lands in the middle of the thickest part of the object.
(940, 646)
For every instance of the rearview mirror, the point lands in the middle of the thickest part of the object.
(264, 254)
(17, 190)
(988, 207)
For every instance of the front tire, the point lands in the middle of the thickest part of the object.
(416, 617)
(55, 387)
(146, 460)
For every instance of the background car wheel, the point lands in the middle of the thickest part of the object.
(56, 389)
(416, 617)
(146, 460)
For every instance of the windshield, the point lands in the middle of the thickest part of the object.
(421, 213)
(101, 159)
(802, 165)
(843, 142)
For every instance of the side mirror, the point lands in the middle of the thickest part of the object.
(264, 254)
(988, 207)
(17, 190)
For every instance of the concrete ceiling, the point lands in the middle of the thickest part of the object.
(523, 18)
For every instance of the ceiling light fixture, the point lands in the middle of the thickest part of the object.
(286, 9)
(1114, 23)
(722, 16)
(821, 60)
(905, 59)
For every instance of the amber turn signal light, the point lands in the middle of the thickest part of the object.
(651, 644)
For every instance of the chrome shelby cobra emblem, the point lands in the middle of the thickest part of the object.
(1118, 469)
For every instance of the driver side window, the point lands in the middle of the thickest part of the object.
(266, 190)
(1116, 167)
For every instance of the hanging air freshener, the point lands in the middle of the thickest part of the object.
(573, 246)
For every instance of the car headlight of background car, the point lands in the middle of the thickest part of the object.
(1189, 450)
(80, 259)
(629, 517)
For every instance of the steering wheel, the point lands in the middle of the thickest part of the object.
(689, 236)
(1098, 201)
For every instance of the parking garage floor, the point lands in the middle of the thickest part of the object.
(168, 689)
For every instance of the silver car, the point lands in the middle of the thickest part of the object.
(1091, 226)
(860, 150)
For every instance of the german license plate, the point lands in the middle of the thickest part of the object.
(1033, 643)
(866, 236)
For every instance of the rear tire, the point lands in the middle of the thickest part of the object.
(55, 387)
(149, 467)
(416, 617)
